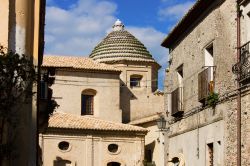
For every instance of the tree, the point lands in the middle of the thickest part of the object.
(17, 75)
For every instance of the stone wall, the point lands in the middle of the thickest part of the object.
(218, 26)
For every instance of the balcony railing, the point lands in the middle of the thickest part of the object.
(177, 102)
(243, 67)
(205, 83)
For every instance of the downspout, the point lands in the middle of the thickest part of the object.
(238, 87)
(42, 6)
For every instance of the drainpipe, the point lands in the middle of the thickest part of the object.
(238, 87)
(42, 6)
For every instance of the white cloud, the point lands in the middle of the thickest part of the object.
(77, 30)
(152, 39)
(175, 11)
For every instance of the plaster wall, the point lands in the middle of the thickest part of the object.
(193, 144)
(92, 149)
(139, 102)
(69, 85)
(154, 141)
(4, 15)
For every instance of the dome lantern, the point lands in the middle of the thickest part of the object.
(118, 26)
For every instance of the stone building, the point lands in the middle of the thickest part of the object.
(139, 76)
(22, 31)
(88, 119)
(140, 100)
(201, 89)
(116, 85)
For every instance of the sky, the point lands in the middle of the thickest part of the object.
(75, 27)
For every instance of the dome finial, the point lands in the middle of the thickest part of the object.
(118, 26)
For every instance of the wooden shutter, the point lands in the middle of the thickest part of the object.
(203, 85)
(175, 98)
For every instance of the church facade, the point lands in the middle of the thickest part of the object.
(99, 96)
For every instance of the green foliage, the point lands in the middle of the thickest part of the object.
(213, 99)
(17, 74)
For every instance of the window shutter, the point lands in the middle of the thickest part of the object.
(203, 85)
(175, 96)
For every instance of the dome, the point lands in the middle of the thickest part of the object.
(120, 45)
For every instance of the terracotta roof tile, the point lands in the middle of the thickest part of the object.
(76, 63)
(70, 121)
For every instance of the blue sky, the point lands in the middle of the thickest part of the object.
(74, 27)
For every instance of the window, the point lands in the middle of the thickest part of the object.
(209, 61)
(62, 162)
(113, 164)
(210, 154)
(247, 25)
(135, 81)
(180, 75)
(87, 104)
(206, 76)
(176, 161)
(177, 95)
(63, 145)
(113, 148)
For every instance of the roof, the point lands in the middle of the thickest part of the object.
(145, 120)
(194, 12)
(74, 62)
(62, 120)
(122, 45)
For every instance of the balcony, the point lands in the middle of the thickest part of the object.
(177, 102)
(205, 83)
(243, 67)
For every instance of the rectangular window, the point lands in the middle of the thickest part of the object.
(209, 61)
(248, 26)
(206, 76)
(210, 154)
(87, 105)
(180, 75)
(177, 95)
(135, 81)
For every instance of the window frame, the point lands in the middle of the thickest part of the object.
(87, 102)
(135, 81)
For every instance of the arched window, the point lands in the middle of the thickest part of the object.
(87, 104)
(135, 80)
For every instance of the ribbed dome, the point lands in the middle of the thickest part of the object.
(120, 45)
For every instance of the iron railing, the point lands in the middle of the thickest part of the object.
(243, 67)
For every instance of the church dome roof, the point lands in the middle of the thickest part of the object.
(120, 45)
